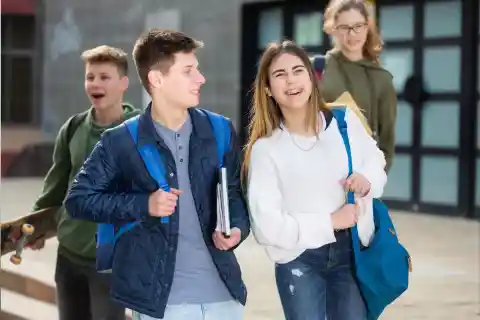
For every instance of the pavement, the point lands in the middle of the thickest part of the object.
(444, 284)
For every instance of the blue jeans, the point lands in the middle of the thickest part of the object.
(319, 284)
(231, 310)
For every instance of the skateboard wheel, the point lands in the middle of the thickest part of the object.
(27, 228)
(15, 259)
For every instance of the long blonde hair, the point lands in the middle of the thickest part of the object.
(374, 43)
(266, 115)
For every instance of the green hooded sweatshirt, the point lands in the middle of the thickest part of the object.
(76, 237)
(372, 89)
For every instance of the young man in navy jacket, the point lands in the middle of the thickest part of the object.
(182, 269)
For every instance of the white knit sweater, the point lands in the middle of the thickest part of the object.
(292, 192)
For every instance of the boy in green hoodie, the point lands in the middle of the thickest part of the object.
(83, 293)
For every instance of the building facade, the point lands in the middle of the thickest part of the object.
(432, 49)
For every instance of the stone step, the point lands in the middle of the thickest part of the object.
(33, 277)
(27, 308)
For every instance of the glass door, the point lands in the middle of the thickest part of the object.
(440, 144)
(307, 28)
(399, 58)
(426, 58)
(477, 117)
(261, 24)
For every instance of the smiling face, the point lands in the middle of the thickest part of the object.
(290, 83)
(104, 85)
(350, 30)
(180, 85)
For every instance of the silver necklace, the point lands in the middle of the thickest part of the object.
(299, 147)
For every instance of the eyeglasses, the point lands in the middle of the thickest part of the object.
(356, 28)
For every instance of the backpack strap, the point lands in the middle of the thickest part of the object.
(73, 123)
(339, 114)
(221, 130)
(151, 157)
(107, 236)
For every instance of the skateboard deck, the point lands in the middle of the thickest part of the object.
(20, 232)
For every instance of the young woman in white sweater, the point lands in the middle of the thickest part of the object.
(296, 174)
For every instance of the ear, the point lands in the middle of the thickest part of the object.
(125, 83)
(155, 78)
(267, 90)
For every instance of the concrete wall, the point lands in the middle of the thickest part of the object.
(73, 26)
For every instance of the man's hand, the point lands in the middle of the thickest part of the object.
(224, 243)
(163, 204)
(37, 244)
(345, 217)
(356, 183)
(16, 233)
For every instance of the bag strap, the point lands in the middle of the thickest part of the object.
(339, 114)
(74, 123)
(221, 130)
(151, 157)
(153, 161)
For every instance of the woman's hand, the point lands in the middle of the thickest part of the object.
(356, 183)
(345, 217)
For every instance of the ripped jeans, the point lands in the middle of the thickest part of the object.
(319, 284)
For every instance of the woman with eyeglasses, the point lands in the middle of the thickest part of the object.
(353, 65)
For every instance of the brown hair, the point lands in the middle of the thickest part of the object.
(107, 54)
(156, 49)
(374, 44)
(265, 112)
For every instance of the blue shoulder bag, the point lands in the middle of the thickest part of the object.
(108, 234)
(382, 269)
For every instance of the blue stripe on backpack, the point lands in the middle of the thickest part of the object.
(382, 268)
(107, 235)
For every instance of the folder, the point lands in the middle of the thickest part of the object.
(346, 99)
(223, 210)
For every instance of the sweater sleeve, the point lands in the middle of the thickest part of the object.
(56, 181)
(272, 225)
(366, 223)
(387, 115)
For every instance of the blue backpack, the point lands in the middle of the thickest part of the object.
(382, 269)
(318, 62)
(107, 234)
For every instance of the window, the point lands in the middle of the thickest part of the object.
(270, 27)
(18, 51)
(308, 28)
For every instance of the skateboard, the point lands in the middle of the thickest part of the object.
(22, 231)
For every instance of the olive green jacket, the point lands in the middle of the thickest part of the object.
(372, 89)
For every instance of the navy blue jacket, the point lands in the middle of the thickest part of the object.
(113, 186)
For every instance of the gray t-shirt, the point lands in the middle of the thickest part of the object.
(196, 279)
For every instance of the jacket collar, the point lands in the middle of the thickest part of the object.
(147, 133)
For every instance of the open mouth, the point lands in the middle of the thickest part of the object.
(97, 95)
(293, 92)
